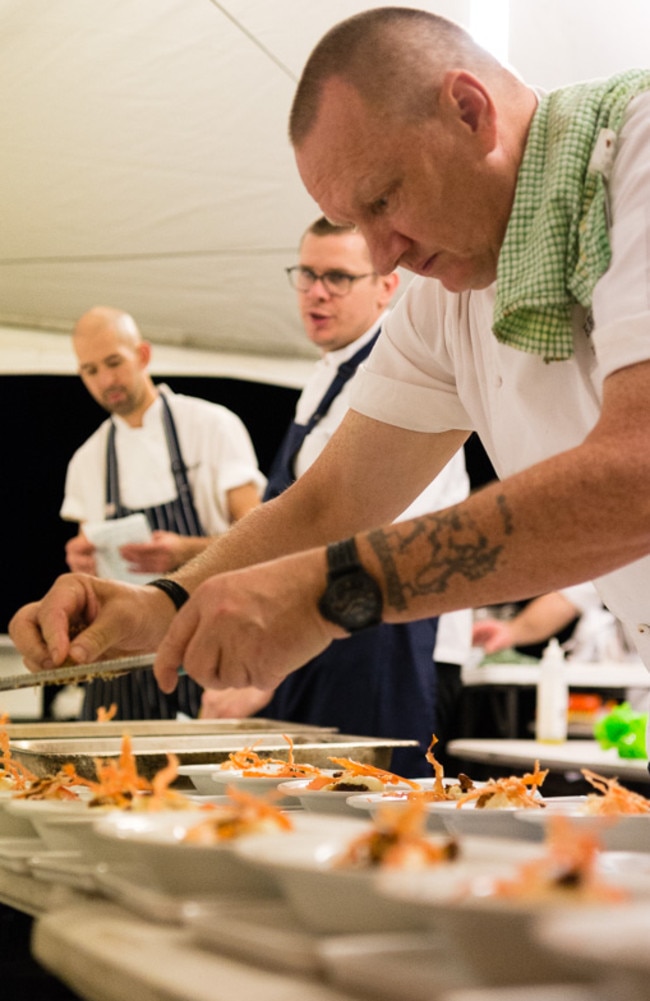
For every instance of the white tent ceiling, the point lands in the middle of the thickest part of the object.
(145, 162)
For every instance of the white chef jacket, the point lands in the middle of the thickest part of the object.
(438, 366)
(215, 445)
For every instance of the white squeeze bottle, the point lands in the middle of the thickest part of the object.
(552, 696)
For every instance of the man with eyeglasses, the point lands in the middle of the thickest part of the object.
(385, 681)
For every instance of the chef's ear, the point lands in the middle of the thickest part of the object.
(144, 353)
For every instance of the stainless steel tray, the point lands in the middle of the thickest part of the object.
(156, 727)
(43, 756)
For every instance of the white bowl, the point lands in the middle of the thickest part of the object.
(323, 800)
(41, 813)
(495, 937)
(153, 844)
(256, 785)
(499, 822)
(11, 824)
(329, 900)
(615, 950)
(372, 802)
(620, 832)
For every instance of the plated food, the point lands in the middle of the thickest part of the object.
(619, 817)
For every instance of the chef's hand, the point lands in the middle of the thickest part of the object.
(165, 552)
(232, 703)
(492, 634)
(80, 554)
(249, 627)
(83, 619)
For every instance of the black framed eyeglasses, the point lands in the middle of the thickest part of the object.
(334, 282)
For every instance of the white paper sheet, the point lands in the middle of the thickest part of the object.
(109, 536)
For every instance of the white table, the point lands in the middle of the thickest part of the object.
(571, 755)
(608, 674)
(505, 681)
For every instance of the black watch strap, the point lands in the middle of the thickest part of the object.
(342, 556)
(173, 590)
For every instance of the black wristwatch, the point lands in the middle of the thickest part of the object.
(352, 598)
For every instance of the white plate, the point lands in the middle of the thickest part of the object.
(499, 822)
(153, 844)
(42, 812)
(371, 802)
(327, 899)
(606, 944)
(11, 825)
(322, 800)
(15, 853)
(621, 832)
(261, 931)
(265, 785)
(201, 777)
(497, 936)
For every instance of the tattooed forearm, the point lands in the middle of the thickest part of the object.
(454, 545)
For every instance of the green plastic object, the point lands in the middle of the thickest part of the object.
(624, 729)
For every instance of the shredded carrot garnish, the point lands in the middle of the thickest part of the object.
(397, 840)
(569, 866)
(359, 768)
(253, 765)
(104, 714)
(516, 789)
(613, 798)
(245, 814)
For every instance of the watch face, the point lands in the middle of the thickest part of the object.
(353, 600)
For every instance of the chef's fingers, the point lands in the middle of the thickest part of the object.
(27, 637)
(169, 656)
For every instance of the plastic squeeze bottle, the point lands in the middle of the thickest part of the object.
(552, 696)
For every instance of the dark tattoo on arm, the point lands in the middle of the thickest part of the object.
(456, 545)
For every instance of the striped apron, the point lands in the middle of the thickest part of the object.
(380, 682)
(136, 694)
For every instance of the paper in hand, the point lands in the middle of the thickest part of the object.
(108, 537)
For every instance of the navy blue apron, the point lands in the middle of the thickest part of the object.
(136, 694)
(377, 683)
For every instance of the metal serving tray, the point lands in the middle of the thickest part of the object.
(44, 757)
(157, 728)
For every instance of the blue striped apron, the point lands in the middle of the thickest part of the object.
(378, 683)
(136, 694)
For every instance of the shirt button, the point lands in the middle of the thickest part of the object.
(642, 628)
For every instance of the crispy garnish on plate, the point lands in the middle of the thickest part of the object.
(612, 798)
(104, 715)
(245, 814)
(254, 765)
(397, 840)
(13, 774)
(567, 870)
(512, 791)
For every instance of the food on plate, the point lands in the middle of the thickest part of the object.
(514, 791)
(355, 776)
(104, 715)
(566, 872)
(119, 784)
(254, 765)
(59, 786)
(13, 774)
(245, 814)
(397, 841)
(443, 789)
(612, 798)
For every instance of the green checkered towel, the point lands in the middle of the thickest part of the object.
(556, 245)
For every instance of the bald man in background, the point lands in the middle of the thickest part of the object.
(187, 464)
